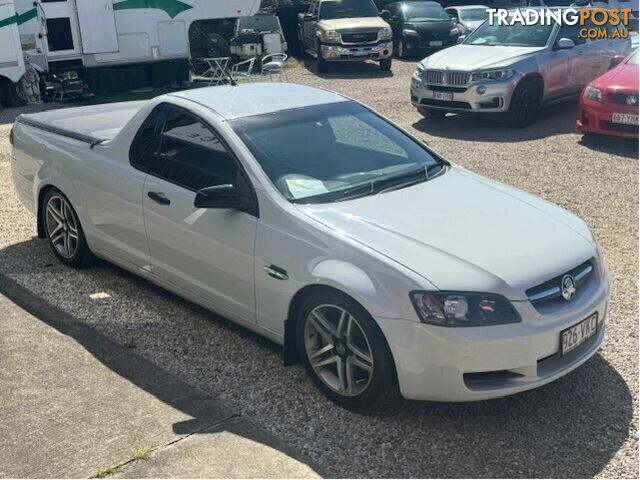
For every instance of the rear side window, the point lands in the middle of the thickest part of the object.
(146, 145)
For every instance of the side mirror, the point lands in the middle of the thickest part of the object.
(461, 39)
(222, 196)
(565, 44)
(309, 17)
(385, 14)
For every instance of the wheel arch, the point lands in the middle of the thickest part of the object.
(538, 80)
(40, 210)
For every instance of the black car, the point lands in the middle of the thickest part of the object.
(419, 26)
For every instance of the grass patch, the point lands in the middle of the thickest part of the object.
(142, 454)
(108, 472)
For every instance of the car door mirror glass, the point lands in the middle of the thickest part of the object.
(565, 44)
(225, 196)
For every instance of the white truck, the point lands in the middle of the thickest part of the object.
(112, 44)
(11, 60)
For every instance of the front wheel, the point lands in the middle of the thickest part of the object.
(400, 49)
(64, 232)
(524, 105)
(344, 351)
(385, 64)
(13, 94)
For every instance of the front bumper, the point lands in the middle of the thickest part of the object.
(416, 43)
(480, 363)
(351, 53)
(495, 99)
(596, 117)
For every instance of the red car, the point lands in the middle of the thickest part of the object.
(609, 104)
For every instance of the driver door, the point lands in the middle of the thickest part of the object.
(309, 26)
(206, 252)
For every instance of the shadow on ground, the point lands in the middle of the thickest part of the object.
(568, 429)
(347, 70)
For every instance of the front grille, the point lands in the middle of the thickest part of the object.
(551, 289)
(448, 78)
(359, 37)
(619, 127)
(443, 88)
(622, 98)
(445, 104)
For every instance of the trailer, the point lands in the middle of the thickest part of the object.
(12, 66)
(115, 45)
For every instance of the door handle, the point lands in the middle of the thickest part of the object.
(159, 197)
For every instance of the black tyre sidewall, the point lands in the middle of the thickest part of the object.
(383, 383)
(513, 118)
(83, 257)
(323, 65)
(386, 64)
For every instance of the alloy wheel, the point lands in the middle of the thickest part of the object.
(62, 226)
(338, 350)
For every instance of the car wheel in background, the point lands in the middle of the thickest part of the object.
(323, 65)
(431, 113)
(344, 350)
(524, 105)
(63, 230)
(12, 94)
(385, 64)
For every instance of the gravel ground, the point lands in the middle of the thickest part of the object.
(583, 425)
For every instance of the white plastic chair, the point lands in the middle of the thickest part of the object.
(243, 70)
(273, 64)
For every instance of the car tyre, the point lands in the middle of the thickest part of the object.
(64, 232)
(385, 64)
(323, 65)
(12, 95)
(344, 351)
(432, 113)
(524, 105)
(400, 49)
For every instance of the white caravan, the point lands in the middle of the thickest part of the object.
(113, 42)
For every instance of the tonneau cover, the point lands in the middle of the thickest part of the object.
(91, 124)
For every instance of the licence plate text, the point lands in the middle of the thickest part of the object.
(573, 337)
(446, 96)
(625, 118)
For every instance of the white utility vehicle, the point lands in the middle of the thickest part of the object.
(309, 218)
(113, 44)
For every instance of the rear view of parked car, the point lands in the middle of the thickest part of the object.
(609, 104)
(468, 17)
(511, 70)
(420, 26)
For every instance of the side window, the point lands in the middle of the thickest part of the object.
(313, 10)
(191, 155)
(146, 144)
(572, 32)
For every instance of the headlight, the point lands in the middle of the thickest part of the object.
(385, 34)
(592, 93)
(410, 32)
(330, 36)
(420, 70)
(453, 309)
(497, 75)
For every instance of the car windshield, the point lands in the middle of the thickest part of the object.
(473, 14)
(516, 35)
(633, 60)
(335, 152)
(347, 9)
(423, 12)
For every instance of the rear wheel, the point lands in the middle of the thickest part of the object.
(400, 49)
(64, 232)
(524, 105)
(344, 351)
(13, 94)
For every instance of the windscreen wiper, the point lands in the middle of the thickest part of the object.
(407, 179)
